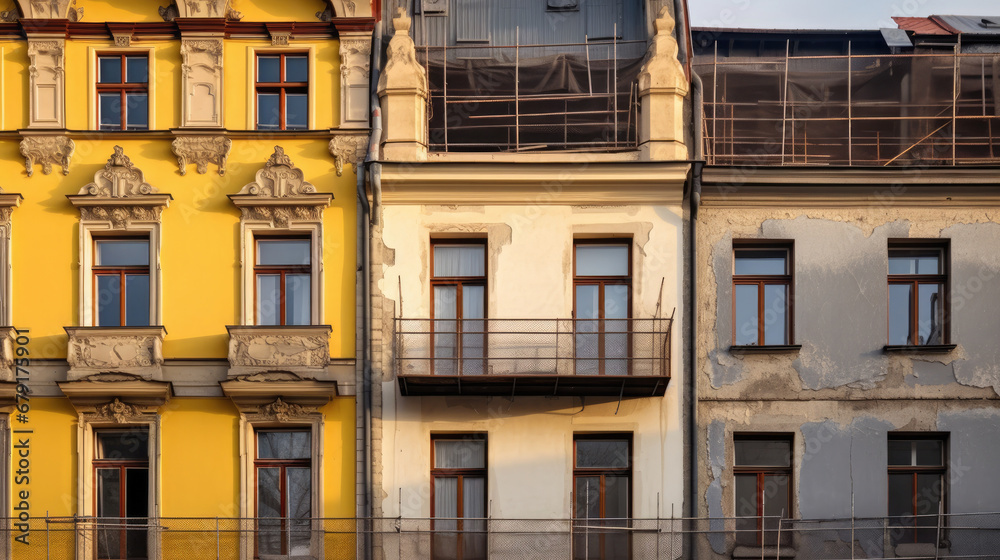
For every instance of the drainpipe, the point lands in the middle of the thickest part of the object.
(364, 253)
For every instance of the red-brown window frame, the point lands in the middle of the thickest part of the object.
(121, 272)
(281, 87)
(282, 270)
(460, 474)
(604, 472)
(460, 282)
(762, 471)
(941, 470)
(941, 246)
(123, 88)
(601, 282)
(281, 464)
(122, 465)
(762, 280)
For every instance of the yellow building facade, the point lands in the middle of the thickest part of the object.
(178, 275)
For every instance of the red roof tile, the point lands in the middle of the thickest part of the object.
(921, 26)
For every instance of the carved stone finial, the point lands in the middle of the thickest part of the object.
(47, 150)
(664, 23)
(119, 159)
(169, 13)
(117, 410)
(401, 23)
(281, 411)
(279, 158)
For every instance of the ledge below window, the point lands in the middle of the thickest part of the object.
(766, 552)
(766, 349)
(921, 349)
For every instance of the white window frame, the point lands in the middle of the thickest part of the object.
(92, 68)
(251, 232)
(89, 231)
(252, 53)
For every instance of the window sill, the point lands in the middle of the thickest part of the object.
(766, 349)
(741, 552)
(921, 349)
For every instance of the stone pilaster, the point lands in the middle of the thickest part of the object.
(663, 86)
(402, 89)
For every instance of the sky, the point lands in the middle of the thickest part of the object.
(827, 14)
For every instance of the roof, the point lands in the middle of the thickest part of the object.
(950, 25)
(921, 25)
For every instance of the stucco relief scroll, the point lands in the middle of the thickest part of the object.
(47, 83)
(348, 148)
(355, 66)
(50, 9)
(199, 9)
(132, 350)
(202, 82)
(201, 151)
(47, 151)
(300, 350)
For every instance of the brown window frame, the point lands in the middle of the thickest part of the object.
(942, 246)
(762, 280)
(762, 472)
(282, 270)
(604, 472)
(282, 464)
(915, 470)
(120, 271)
(460, 474)
(460, 282)
(123, 88)
(601, 282)
(281, 87)
(122, 465)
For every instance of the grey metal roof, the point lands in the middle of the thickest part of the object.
(896, 37)
(977, 25)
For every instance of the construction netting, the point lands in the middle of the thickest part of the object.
(863, 110)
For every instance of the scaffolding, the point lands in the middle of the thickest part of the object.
(533, 97)
(854, 109)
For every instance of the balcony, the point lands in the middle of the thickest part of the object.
(540, 357)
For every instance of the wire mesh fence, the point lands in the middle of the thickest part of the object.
(941, 537)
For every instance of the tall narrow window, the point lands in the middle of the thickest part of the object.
(602, 497)
(123, 92)
(282, 92)
(763, 473)
(602, 299)
(458, 303)
(762, 282)
(121, 479)
(458, 474)
(284, 493)
(918, 280)
(283, 280)
(917, 471)
(121, 282)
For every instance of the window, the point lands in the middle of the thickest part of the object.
(123, 92)
(282, 91)
(458, 479)
(602, 299)
(602, 487)
(458, 304)
(283, 465)
(121, 480)
(762, 283)
(918, 280)
(916, 487)
(283, 281)
(121, 282)
(763, 473)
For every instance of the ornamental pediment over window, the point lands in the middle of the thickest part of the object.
(280, 194)
(120, 195)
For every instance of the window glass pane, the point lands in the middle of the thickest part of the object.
(268, 506)
(445, 341)
(473, 337)
(746, 506)
(616, 494)
(602, 453)
(137, 300)
(296, 69)
(136, 69)
(109, 294)
(111, 110)
(298, 298)
(109, 505)
(130, 444)
(930, 452)
(757, 261)
(601, 260)
(459, 454)
(268, 117)
(902, 261)
(268, 69)
(775, 314)
(283, 252)
(900, 452)
(298, 483)
(296, 111)
(763, 453)
(901, 507)
(445, 502)
(122, 252)
(473, 498)
(899, 314)
(284, 445)
(775, 496)
(268, 299)
(136, 111)
(137, 508)
(109, 70)
(459, 260)
(588, 497)
(929, 491)
(745, 308)
(930, 308)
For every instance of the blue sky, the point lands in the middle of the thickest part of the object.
(826, 14)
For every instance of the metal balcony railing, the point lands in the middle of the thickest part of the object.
(542, 356)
